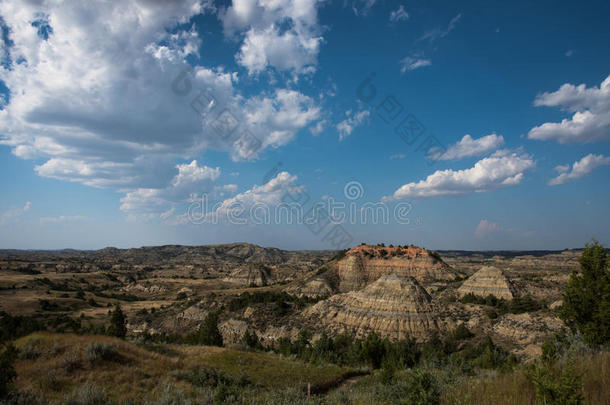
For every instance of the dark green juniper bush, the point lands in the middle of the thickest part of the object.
(118, 322)
(586, 300)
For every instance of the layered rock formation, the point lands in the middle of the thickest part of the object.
(250, 275)
(232, 331)
(488, 281)
(527, 331)
(365, 264)
(393, 306)
(316, 287)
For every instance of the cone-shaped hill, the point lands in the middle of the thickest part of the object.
(488, 281)
(393, 306)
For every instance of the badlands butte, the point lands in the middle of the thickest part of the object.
(394, 291)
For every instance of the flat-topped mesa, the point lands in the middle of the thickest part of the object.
(488, 281)
(364, 264)
(393, 306)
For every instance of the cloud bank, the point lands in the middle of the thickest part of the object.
(95, 91)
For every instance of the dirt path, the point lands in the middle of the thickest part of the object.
(339, 384)
(349, 382)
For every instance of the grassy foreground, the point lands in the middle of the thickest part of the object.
(486, 387)
(74, 369)
(60, 368)
(517, 388)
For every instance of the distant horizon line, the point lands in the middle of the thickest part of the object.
(5, 250)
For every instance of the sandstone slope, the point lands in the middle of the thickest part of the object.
(488, 280)
(251, 275)
(394, 306)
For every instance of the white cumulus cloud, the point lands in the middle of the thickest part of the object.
(283, 34)
(97, 98)
(579, 169)
(467, 147)
(503, 168)
(265, 196)
(191, 181)
(590, 121)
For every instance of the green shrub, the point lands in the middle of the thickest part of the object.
(517, 305)
(563, 345)
(281, 300)
(118, 321)
(13, 327)
(422, 389)
(7, 369)
(404, 353)
(71, 361)
(417, 387)
(553, 389)
(176, 396)
(461, 332)
(525, 303)
(388, 372)
(208, 333)
(485, 355)
(373, 350)
(88, 395)
(30, 351)
(586, 300)
(209, 377)
(97, 351)
(250, 339)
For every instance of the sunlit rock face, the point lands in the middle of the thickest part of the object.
(488, 281)
(365, 264)
(394, 306)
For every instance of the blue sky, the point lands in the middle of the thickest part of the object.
(100, 144)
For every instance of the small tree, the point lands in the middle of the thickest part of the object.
(250, 339)
(208, 333)
(586, 300)
(373, 350)
(302, 342)
(553, 389)
(422, 388)
(117, 323)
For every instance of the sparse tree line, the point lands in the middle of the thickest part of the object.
(500, 306)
